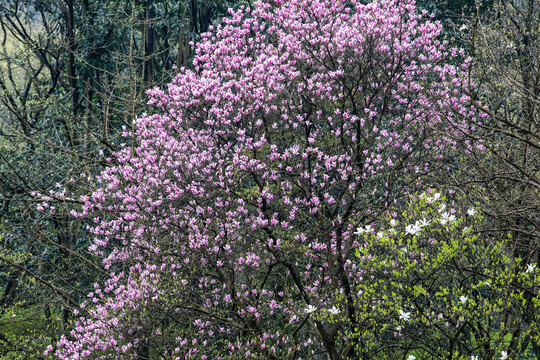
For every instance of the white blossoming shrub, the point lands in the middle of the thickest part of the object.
(430, 286)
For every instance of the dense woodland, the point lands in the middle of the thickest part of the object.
(304, 189)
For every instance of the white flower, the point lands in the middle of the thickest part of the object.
(310, 309)
(530, 268)
(433, 198)
(404, 315)
(463, 27)
(393, 222)
(442, 207)
(398, 328)
(360, 231)
(474, 357)
(446, 217)
(334, 310)
(360, 292)
(413, 229)
(424, 222)
(463, 298)
(471, 212)
(504, 355)
(411, 357)
(380, 235)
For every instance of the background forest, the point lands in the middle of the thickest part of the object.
(74, 79)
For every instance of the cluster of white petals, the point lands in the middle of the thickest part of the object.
(364, 230)
(404, 315)
(334, 310)
(446, 218)
(432, 199)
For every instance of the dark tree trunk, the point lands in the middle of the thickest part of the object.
(149, 43)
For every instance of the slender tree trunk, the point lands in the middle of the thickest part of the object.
(181, 60)
(149, 44)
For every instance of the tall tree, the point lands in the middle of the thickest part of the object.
(234, 215)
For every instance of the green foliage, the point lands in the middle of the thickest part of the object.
(441, 289)
(26, 331)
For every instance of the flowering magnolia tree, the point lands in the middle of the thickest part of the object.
(232, 220)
